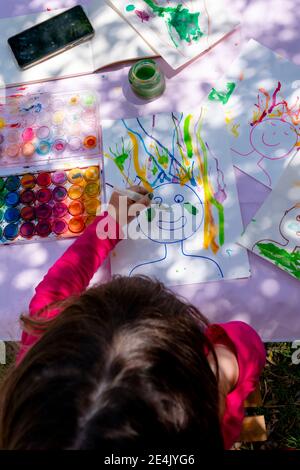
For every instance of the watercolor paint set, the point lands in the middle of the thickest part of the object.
(43, 127)
(54, 204)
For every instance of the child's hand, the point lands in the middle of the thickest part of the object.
(123, 209)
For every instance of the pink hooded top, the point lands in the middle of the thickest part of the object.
(71, 274)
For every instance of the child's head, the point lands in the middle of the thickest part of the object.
(122, 365)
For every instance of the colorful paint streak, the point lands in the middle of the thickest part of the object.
(187, 136)
(290, 262)
(231, 126)
(234, 129)
(142, 15)
(150, 214)
(190, 208)
(36, 108)
(187, 161)
(274, 107)
(210, 229)
(119, 157)
(141, 171)
(179, 20)
(222, 96)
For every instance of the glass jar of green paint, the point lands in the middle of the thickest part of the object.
(146, 79)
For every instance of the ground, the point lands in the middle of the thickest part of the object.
(280, 390)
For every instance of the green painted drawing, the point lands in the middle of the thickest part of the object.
(290, 262)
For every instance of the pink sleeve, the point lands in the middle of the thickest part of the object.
(251, 357)
(71, 273)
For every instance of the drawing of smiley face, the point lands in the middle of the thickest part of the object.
(290, 225)
(273, 138)
(180, 222)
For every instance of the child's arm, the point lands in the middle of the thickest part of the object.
(68, 276)
(72, 272)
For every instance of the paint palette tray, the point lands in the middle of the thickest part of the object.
(49, 205)
(43, 127)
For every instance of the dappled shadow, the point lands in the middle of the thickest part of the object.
(74, 61)
(25, 7)
(274, 23)
(269, 299)
(23, 266)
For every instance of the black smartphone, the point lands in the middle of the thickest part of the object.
(51, 37)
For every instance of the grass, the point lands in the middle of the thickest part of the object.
(280, 390)
(11, 349)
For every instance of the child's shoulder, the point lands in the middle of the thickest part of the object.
(250, 352)
(239, 334)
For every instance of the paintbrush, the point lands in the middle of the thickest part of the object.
(137, 196)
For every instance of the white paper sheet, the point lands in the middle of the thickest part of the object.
(181, 157)
(274, 232)
(114, 41)
(178, 31)
(263, 113)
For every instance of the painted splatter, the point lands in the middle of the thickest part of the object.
(188, 160)
(182, 24)
(274, 107)
(222, 96)
(36, 108)
(191, 208)
(142, 15)
(290, 262)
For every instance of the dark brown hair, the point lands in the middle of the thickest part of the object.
(123, 365)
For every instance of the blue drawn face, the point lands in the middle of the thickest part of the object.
(180, 222)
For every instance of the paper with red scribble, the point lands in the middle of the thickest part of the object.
(263, 113)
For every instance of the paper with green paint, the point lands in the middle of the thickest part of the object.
(180, 159)
(177, 30)
(274, 233)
